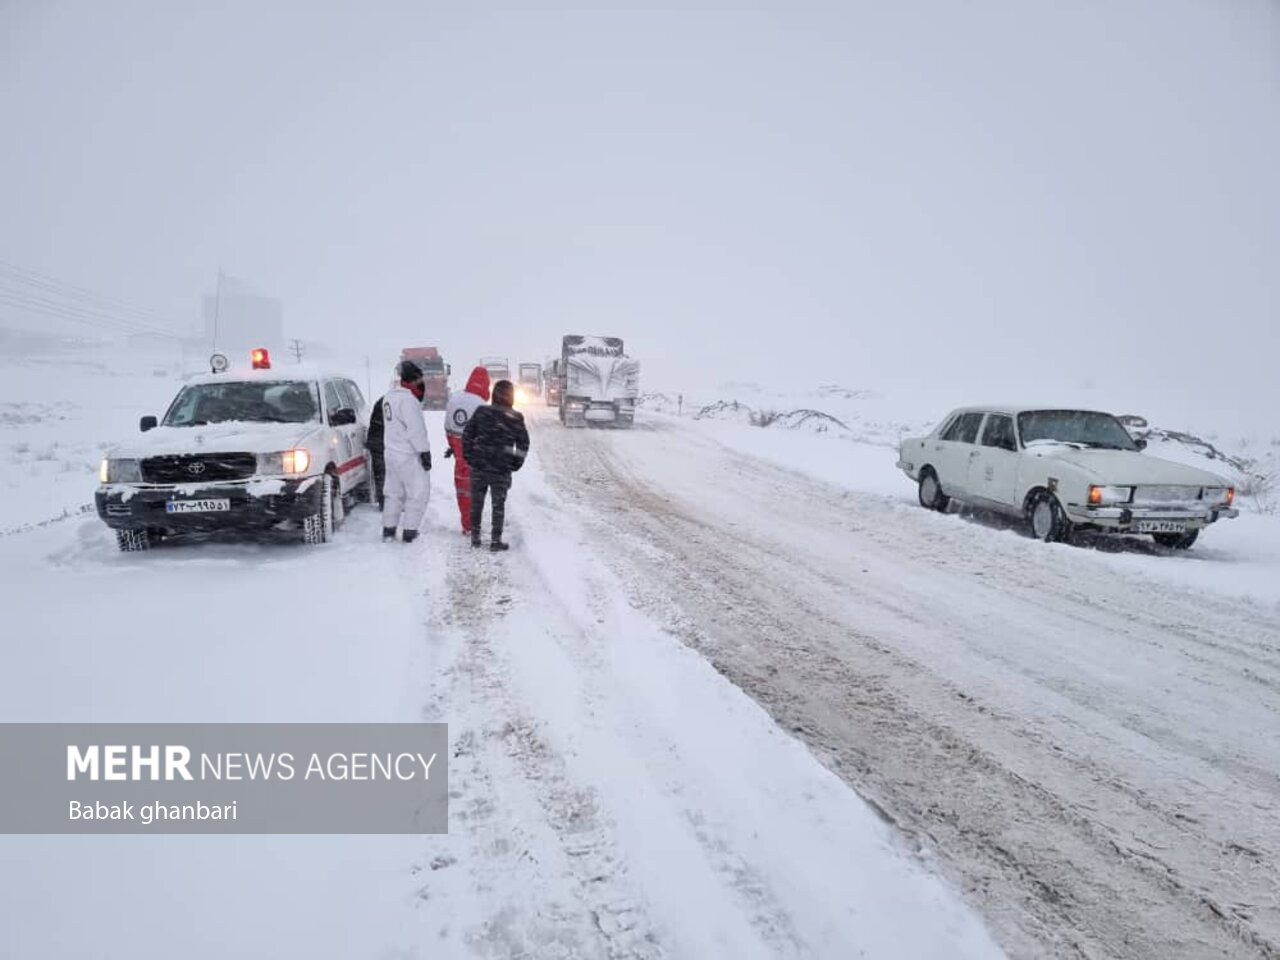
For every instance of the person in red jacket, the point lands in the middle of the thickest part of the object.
(456, 415)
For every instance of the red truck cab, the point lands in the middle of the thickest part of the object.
(435, 375)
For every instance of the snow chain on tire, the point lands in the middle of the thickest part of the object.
(318, 527)
(130, 541)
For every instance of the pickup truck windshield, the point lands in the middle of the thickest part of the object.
(281, 401)
(1083, 427)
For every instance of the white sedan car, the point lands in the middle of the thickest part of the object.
(1062, 471)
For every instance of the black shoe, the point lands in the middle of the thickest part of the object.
(388, 533)
(476, 542)
(499, 545)
(408, 536)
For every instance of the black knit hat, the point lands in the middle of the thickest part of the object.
(409, 371)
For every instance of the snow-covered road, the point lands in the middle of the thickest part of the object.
(1090, 750)
(612, 795)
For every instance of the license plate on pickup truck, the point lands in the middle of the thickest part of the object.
(197, 506)
(1161, 526)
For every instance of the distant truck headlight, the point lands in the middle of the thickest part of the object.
(1109, 494)
(120, 471)
(286, 462)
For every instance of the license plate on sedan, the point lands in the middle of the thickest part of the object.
(197, 506)
(1161, 526)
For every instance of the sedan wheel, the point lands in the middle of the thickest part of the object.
(1048, 522)
(1176, 541)
(931, 495)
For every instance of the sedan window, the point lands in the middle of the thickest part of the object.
(964, 429)
(999, 432)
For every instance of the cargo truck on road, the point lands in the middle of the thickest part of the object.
(599, 383)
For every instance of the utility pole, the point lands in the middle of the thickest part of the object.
(297, 350)
(217, 308)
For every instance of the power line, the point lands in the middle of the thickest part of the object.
(72, 291)
(33, 292)
(28, 303)
(46, 308)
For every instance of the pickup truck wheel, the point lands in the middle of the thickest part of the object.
(317, 528)
(1176, 541)
(339, 503)
(931, 495)
(1046, 518)
(130, 541)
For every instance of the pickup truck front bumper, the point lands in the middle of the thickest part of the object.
(190, 508)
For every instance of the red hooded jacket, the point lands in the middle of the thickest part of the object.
(462, 405)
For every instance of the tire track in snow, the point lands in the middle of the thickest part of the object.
(582, 645)
(501, 752)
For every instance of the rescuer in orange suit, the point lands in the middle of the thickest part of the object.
(456, 415)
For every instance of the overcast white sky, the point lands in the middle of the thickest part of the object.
(1061, 190)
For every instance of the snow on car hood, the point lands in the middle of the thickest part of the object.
(233, 436)
(1127, 466)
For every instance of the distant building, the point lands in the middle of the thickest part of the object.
(237, 319)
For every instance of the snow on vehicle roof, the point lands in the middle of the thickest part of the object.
(293, 371)
(594, 344)
(1017, 408)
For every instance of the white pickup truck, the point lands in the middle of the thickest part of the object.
(253, 449)
(1063, 470)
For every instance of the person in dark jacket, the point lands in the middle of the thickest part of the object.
(373, 443)
(495, 444)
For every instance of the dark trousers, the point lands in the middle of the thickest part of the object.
(482, 483)
(379, 465)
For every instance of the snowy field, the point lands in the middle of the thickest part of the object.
(732, 693)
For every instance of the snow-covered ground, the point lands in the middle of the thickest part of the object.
(707, 636)
(1080, 735)
(613, 794)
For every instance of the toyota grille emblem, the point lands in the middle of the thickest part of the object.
(195, 468)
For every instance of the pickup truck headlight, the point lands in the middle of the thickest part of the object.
(1108, 494)
(289, 462)
(120, 471)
